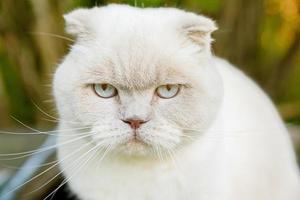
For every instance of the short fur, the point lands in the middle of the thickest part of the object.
(220, 138)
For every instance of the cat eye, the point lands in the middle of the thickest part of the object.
(105, 90)
(167, 91)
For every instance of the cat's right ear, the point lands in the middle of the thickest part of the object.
(76, 22)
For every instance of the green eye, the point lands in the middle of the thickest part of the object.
(167, 91)
(105, 90)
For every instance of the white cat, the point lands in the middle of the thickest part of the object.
(147, 113)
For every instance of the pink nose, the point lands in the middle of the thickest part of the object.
(134, 123)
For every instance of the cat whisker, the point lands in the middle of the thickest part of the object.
(159, 153)
(78, 169)
(106, 151)
(43, 132)
(38, 132)
(62, 171)
(32, 166)
(53, 35)
(156, 152)
(50, 120)
(44, 112)
(32, 152)
(23, 124)
(43, 172)
(52, 117)
(169, 151)
(35, 130)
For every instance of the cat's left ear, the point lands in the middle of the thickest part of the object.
(76, 22)
(198, 29)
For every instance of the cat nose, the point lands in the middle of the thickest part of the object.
(134, 123)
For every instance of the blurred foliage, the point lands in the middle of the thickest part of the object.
(262, 37)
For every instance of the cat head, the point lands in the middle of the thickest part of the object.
(141, 79)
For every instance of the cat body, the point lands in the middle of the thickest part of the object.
(220, 138)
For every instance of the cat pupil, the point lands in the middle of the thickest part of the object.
(104, 86)
(168, 87)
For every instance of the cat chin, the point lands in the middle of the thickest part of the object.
(133, 148)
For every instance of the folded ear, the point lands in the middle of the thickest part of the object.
(198, 29)
(76, 22)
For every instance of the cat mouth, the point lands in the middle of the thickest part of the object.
(134, 145)
(135, 140)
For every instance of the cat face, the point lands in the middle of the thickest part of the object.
(140, 79)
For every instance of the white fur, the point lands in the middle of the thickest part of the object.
(220, 137)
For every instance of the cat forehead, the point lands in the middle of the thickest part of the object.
(135, 75)
(134, 62)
